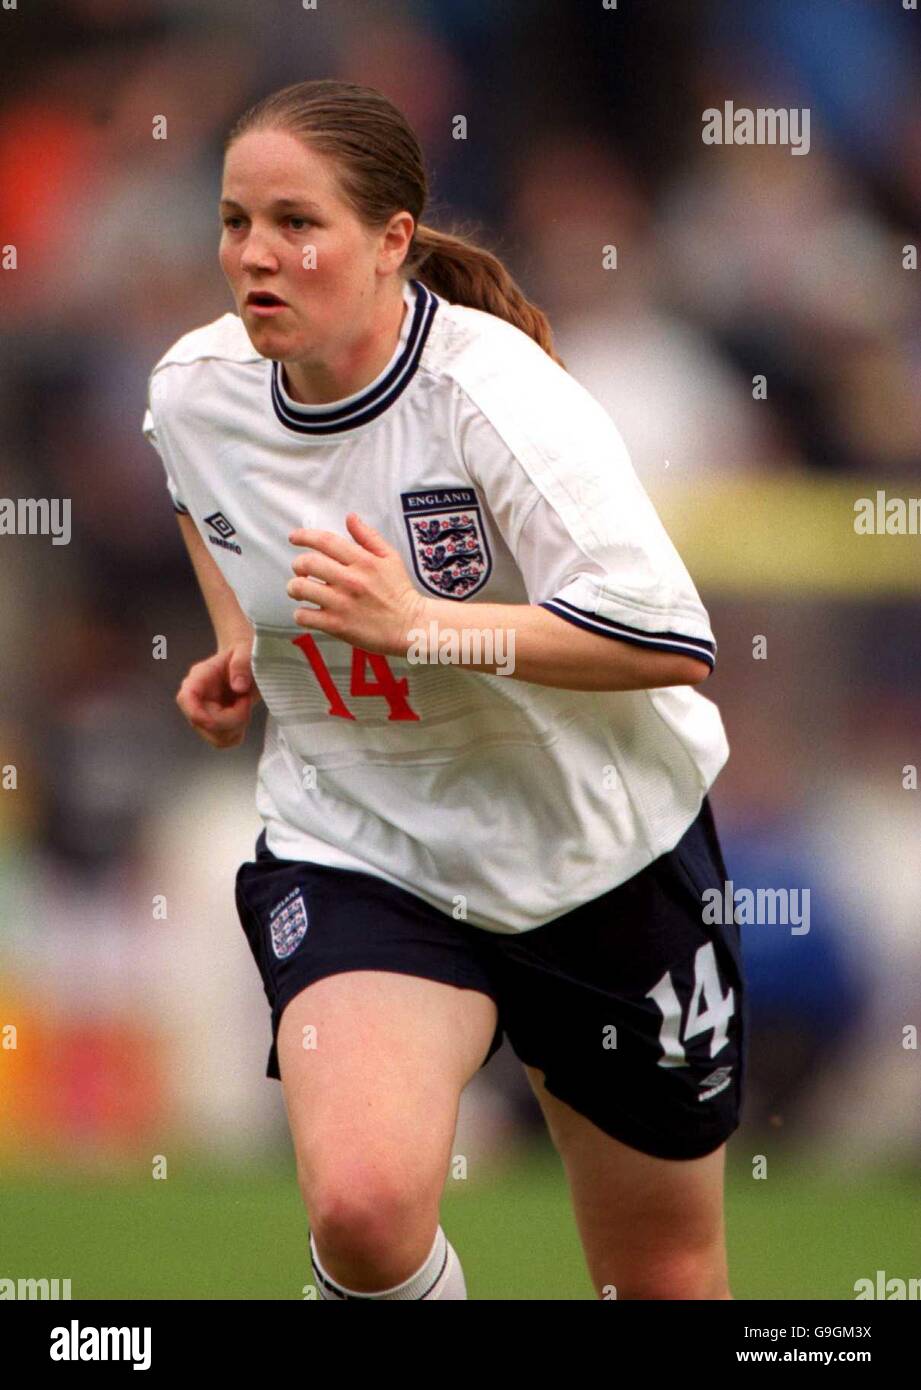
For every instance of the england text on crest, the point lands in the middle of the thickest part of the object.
(447, 540)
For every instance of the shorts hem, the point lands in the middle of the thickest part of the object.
(287, 995)
(636, 1137)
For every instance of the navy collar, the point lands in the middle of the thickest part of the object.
(366, 405)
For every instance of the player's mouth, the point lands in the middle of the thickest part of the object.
(263, 303)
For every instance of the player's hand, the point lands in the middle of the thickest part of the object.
(218, 695)
(366, 598)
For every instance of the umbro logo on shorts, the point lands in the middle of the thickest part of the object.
(714, 1083)
(219, 523)
(288, 924)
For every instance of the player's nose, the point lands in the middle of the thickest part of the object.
(258, 255)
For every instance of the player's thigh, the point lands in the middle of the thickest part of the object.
(650, 1227)
(373, 1096)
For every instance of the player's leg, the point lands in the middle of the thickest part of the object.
(651, 1228)
(372, 1103)
(382, 1010)
(641, 1074)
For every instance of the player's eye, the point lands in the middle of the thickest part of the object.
(231, 222)
(302, 221)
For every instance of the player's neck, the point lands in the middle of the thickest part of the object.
(355, 366)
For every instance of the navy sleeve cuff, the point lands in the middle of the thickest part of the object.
(658, 641)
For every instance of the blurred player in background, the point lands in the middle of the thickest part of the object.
(485, 774)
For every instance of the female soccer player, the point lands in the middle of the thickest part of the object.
(485, 774)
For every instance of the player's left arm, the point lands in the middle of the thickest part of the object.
(364, 596)
(537, 645)
(610, 604)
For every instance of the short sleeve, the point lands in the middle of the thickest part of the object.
(630, 592)
(584, 533)
(149, 430)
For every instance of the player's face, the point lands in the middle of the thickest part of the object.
(288, 233)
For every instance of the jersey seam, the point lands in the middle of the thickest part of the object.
(465, 394)
(652, 609)
(524, 521)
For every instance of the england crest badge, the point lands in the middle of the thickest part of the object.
(288, 923)
(447, 540)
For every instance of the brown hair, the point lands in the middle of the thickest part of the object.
(381, 172)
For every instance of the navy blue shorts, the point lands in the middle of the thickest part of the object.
(631, 1005)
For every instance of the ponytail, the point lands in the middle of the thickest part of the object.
(464, 273)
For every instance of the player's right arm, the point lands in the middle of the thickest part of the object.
(218, 694)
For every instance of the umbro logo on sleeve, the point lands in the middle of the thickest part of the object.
(219, 523)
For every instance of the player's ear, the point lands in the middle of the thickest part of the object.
(395, 240)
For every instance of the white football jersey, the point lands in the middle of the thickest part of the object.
(499, 479)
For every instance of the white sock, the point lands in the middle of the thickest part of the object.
(440, 1277)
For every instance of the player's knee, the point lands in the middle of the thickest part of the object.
(677, 1275)
(364, 1215)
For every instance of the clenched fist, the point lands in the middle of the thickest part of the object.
(218, 695)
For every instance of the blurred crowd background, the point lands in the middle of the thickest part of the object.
(584, 130)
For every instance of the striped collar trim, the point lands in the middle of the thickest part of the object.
(367, 404)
